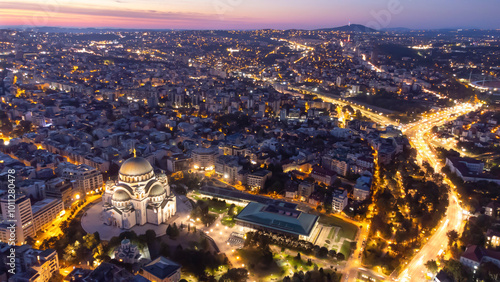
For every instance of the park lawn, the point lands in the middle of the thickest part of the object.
(217, 210)
(346, 249)
(196, 197)
(239, 209)
(251, 257)
(228, 221)
(212, 208)
(298, 265)
(347, 230)
(332, 232)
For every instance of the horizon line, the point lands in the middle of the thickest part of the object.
(244, 29)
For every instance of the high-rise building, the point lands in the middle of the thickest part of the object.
(17, 211)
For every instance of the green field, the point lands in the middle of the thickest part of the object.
(346, 249)
(332, 232)
(228, 221)
(218, 210)
(347, 230)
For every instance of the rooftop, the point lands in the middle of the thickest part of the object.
(162, 267)
(235, 195)
(279, 218)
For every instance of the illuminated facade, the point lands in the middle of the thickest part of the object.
(139, 196)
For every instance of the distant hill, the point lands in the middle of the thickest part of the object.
(347, 28)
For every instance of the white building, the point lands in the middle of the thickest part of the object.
(203, 158)
(85, 178)
(139, 197)
(19, 211)
(227, 167)
(362, 188)
(339, 200)
(127, 252)
(45, 211)
(475, 255)
(256, 180)
(35, 265)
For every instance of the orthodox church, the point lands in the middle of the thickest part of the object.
(138, 197)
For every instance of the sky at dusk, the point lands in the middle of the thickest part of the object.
(251, 14)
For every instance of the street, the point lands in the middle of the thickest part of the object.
(416, 132)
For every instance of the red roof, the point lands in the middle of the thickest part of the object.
(474, 253)
(477, 253)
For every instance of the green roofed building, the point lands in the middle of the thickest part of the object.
(278, 219)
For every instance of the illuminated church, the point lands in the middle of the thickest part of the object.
(139, 196)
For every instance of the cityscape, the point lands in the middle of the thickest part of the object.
(249, 141)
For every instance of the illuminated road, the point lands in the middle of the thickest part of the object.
(375, 116)
(417, 133)
(55, 229)
(353, 265)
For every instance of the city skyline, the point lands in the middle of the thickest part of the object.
(242, 15)
(231, 141)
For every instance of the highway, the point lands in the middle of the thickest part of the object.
(417, 132)
(375, 116)
(421, 141)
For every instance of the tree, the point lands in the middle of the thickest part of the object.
(204, 245)
(235, 275)
(165, 250)
(323, 252)
(297, 257)
(432, 266)
(89, 241)
(175, 231)
(452, 237)
(30, 241)
(340, 256)
(97, 236)
(5, 124)
(169, 231)
(232, 210)
(25, 126)
(98, 252)
(456, 269)
(150, 235)
(56, 276)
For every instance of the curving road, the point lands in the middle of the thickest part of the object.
(417, 133)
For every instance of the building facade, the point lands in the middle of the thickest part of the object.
(203, 158)
(84, 177)
(139, 196)
(339, 200)
(45, 211)
(18, 210)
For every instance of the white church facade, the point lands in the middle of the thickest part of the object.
(138, 197)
